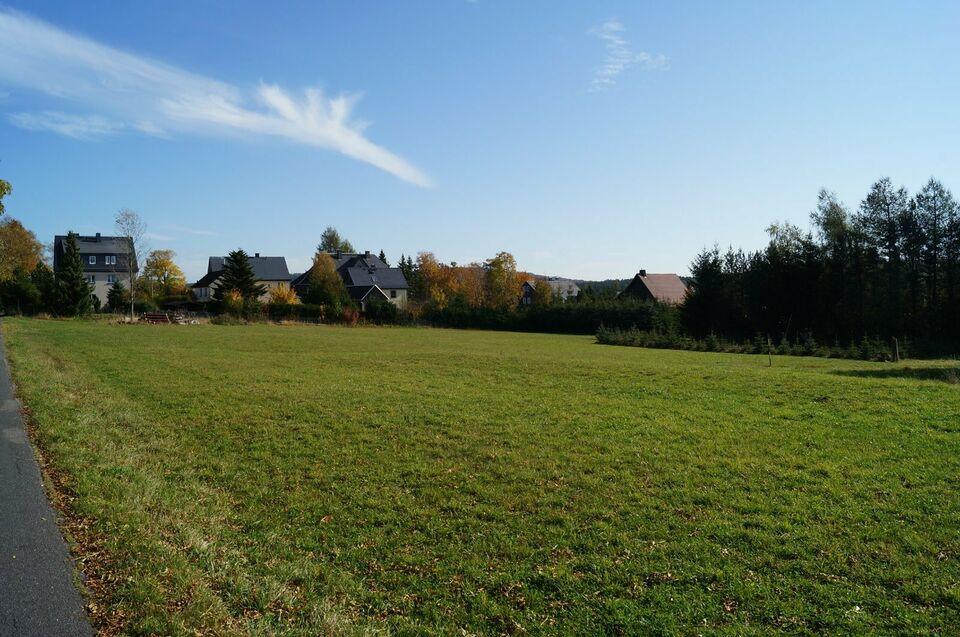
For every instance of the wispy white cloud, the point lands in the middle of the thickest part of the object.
(620, 56)
(76, 126)
(185, 230)
(126, 92)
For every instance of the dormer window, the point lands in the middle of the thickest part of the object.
(92, 260)
(110, 259)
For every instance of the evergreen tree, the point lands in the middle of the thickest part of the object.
(117, 296)
(73, 290)
(331, 241)
(46, 283)
(383, 257)
(18, 294)
(238, 275)
(935, 208)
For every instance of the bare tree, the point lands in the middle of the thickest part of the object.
(130, 226)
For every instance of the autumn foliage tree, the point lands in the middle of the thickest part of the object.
(161, 276)
(326, 286)
(501, 283)
(19, 248)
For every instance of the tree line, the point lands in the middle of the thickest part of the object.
(888, 269)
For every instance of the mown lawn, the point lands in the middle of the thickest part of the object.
(305, 480)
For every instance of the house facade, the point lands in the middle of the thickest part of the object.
(664, 288)
(365, 276)
(270, 272)
(563, 289)
(104, 261)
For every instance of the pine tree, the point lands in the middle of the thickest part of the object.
(73, 290)
(238, 275)
(117, 296)
(383, 257)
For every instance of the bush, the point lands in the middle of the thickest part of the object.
(583, 317)
(868, 349)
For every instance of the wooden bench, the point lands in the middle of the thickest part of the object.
(156, 317)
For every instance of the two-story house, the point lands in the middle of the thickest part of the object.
(104, 261)
(365, 276)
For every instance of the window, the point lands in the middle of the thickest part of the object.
(393, 294)
(91, 278)
(111, 278)
(110, 259)
(92, 260)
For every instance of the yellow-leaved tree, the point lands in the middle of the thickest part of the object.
(283, 296)
(161, 276)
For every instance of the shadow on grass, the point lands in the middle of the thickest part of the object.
(950, 375)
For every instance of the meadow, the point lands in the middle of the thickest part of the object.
(304, 480)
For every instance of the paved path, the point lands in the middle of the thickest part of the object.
(37, 593)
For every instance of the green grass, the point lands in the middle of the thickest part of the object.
(303, 480)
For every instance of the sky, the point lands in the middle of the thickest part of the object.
(589, 139)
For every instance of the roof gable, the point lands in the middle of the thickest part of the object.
(665, 288)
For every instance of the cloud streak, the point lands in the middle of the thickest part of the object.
(127, 92)
(620, 56)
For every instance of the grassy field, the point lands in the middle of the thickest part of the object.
(304, 480)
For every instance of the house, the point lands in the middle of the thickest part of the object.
(563, 289)
(104, 261)
(665, 288)
(270, 272)
(365, 276)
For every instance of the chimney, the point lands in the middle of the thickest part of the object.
(98, 236)
(642, 273)
(256, 255)
(366, 253)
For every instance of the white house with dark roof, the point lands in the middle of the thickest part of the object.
(365, 276)
(104, 261)
(270, 272)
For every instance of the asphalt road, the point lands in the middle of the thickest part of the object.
(37, 591)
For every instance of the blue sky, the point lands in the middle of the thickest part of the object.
(588, 139)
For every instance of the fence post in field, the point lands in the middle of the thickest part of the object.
(769, 352)
(896, 350)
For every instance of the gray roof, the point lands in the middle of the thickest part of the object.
(389, 278)
(364, 269)
(264, 269)
(96, 245)
(361, 292)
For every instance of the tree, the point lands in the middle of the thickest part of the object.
(543, 294)
(161, 276)
(238, 275)
(383, 257)
(326, 286)
(73, 290)
(19, 294)
(880, 215)
(501, 284)
(19, 248)
(132, 228)
(283, 296)
(935, 207)
(331, 241)
(5, 189)
(117, 296)
(46, 283)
